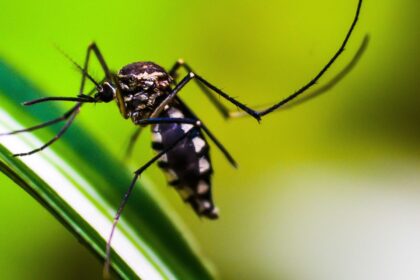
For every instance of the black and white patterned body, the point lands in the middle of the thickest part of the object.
(187, 166)
(144, 85)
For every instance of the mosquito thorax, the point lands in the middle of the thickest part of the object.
(143, 86)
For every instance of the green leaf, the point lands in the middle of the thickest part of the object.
(82, 185)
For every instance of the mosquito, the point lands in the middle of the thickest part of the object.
(150, 96)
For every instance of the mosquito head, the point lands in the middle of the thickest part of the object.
(106, 92)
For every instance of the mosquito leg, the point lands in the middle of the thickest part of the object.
(127, 194)
(171, 96)
(136, 133)
(56, 137)
(108, 75)
(69, 115)
(323, 70)
(190, 76)
(169, 120)
(45, 124)
(133, 140)
(258, 114)
(81, 99)
(223, 110)
(208, 132)
(197, 123)
(325, 88)
(220, 146)
(93, 47)
(337, 78)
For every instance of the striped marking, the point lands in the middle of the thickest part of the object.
(163, 158)
(203, 206)
(186, 127)
(145, 75)
(156, 137)
(206, 204)
(175, 113)
(215, 211)
(203, 164)
(202, 187)
(155, 128)
(199, 144)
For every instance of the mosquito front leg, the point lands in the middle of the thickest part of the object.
(72, 113)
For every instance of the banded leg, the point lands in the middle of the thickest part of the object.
(127, 194)
(258, 114)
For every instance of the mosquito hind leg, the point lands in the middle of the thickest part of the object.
(209, 134)
(260, 113)
(223, 110)
(133, 140)
(323, 89)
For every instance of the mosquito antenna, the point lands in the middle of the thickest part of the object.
(78, 66)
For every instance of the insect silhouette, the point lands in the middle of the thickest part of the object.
(149, 95)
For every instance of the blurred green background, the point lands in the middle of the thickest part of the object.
(327, 190)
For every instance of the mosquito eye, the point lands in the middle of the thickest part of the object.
(107, 93)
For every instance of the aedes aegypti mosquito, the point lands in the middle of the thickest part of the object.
(149, 95)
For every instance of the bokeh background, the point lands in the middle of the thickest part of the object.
(327, 190)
